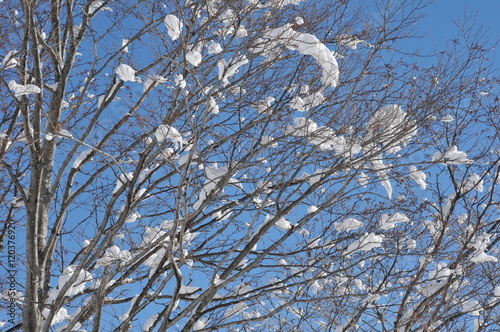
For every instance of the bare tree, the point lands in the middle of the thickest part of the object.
(277, 165)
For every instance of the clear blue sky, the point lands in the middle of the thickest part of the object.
(443, 13)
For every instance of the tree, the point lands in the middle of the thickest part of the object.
(246, 165)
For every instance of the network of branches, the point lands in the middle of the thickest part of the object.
(245, 165)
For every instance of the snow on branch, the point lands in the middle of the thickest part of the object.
(307, 44)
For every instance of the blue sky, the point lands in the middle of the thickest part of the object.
(443, 13)
(440, 24)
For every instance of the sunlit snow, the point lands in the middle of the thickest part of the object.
(77, 286)
(114, 254)
(179, 81)
(473, 182)
(349, 41)
(391, 127)
(132, 217)
(365, 243)
(447, 118)
(212, 106)
(452, 156)
(381, 168)
(200, 324)
(193, 58)
(481, 243)
(9, 61)
(123, 179)
(283, 224)
(81, 157)
(472, 307)
(174, 26)
(441, 271)
(312, 209)
(164, 132)
(97, 5)
(214, 174)
(125, 72)
(388, 222)
(20, 89)
(418, 176)
(278, 4)
(347, 225)
(214, 48)
(124, 45)
(59, 316)
(308, 44)
(228, 69)
(235, 309)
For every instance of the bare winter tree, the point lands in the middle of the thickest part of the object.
(278, 165)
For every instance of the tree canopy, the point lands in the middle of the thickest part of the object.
(245, 165)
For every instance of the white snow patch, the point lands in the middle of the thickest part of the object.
(363, 179)
(214, 174)
(179, 81)
(188, 290)
(123, 179)
(347, 225)
(9, 61)
(97, 5)
(81, 157)
(387, 222)
(278, 4)
(452, 156)
(349, 41)
(214, 48)
(26, 89)
(132, 217)
(381, 168)
(269, 140)
(164, 132)
(114, 254)
(124, 45)
(480, 244)
(312, 209)
(447, 118)
(212, 106)
(307, 102)
(323, 137)
(472, 307)
(316, 287)
(200, 324)
(441, 271)
(218, 280)
(473, 182)
(125, 72)
(365, 243)
(264, 106)
(314, 243)
(229, 69)
(481, 257)
(497, 291)
(391, 127)
(235, 309)
(283, 224)
(308, 44)
(174, 26)
(76, 287)
(61, 315)
(194, 58)
(418, 176)
(149, 323)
